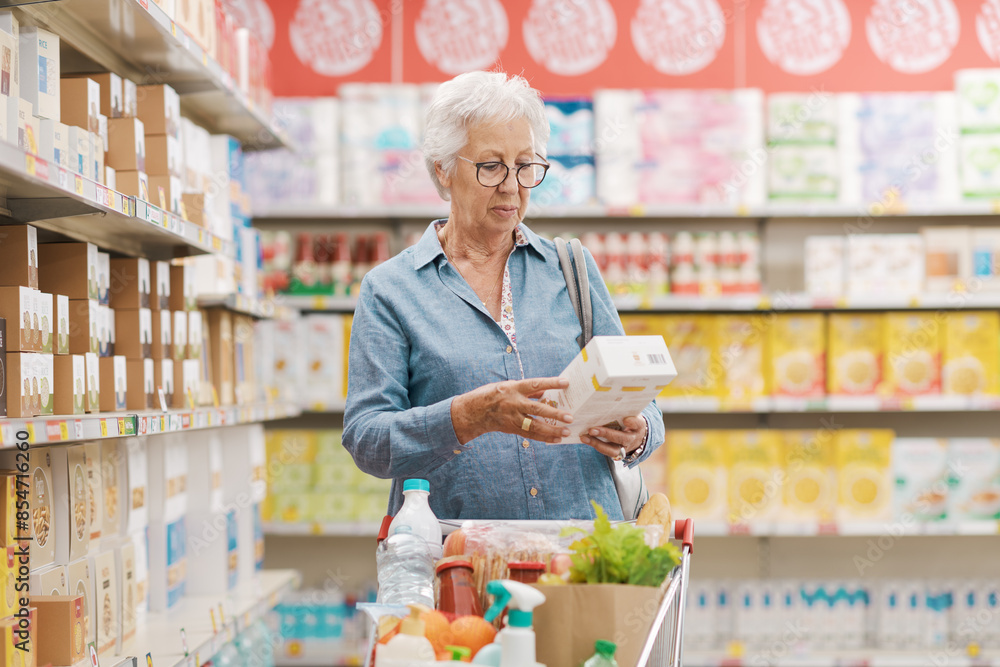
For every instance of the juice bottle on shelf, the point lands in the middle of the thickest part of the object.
(604, 654)
(457, 592)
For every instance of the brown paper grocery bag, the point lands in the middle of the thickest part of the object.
(575, 616)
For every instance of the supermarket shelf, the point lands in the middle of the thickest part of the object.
(662, 211)
(55, 199)
(137, 39)
(261, 309)
(160, 634)
(856, 658)
(319, 302)
(330, 407)
(896, 528)
(303, 652)
(353, 529)
(73, 428)
(701, 405)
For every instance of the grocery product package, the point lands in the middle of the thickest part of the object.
(971, 363)
(975, 479)
(854, 361)
(810, 489)
(691, 339)
(697, 473)
(798, 355)
(864, 475)
(741, 351)
(754, 475)
(912, 362)
(920, 466)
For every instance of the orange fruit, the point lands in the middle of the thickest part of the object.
(473, 632)
(438, 631)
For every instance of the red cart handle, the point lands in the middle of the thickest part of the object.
(684, 531)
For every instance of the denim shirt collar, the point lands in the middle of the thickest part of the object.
(428, 248)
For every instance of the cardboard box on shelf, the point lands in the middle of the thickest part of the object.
(164, 370)
(114, 375)
(19, 373)
(104, 317)
(205, 472)
(213, 538)
(80, 159)
(111, 103)
(140, 542)
(68, 268)
(948, 258)
(126, 567)
(180, 340)
(163, 156)
(187, 378)
(95, 491)
(172, 191)
(45, 371)
(864, 475)
(194, 206)
(9, 81)
(49, 580)
(167, 564)
(160, 110)
(740, 343)
(134, 184)
(80, 582)
(97, 154)
(84, 332)
(71, 507)
(194, 337)
(24, 129)
(103, 278)
(106, 604)
(62, 324)
(80, 103)
(42, 499)
(114, 475)
(58, 618)
(138, 485)
(39, 59)
(16, 309)
(243, 353)
(168, 478)
(126, 145)
(220, 327)
(102, 124)
(134, 333)
(19, 256)
(163, 329)
(130, 99)
(46, 322)
(93, 369)
(53, 142)
(70, 384)
(159, 296)
(141, 384)
(183, 291)
(130, 283)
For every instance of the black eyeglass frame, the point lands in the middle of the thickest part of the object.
(517, 174)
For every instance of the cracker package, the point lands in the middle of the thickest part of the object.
(798, 355)
(971, 363)
(912, 362)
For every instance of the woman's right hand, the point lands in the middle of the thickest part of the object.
(503, 407)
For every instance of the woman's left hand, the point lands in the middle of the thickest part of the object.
(631, 438)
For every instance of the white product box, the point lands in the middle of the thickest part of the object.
(979, 167)
(213, 539)
(110, 178)
(214, 274)
(802, 117)
(168, 473)
(194, 337)
(93, 368)
(180, 335)
(54, 142)
(114, 474)
(804, 172)
(167, 564)
(125, 565)
(866, 269)
(130, 99)
(325, 357)
(104, 318)
(39, 58)
(102, 132)
(97, 157)
(70, 503)
(103, 278)
(948, 257)
(920, 466)
(904, 263)
(205, 472)
(887, 606)
(613, 377)
(80, 159)
(10, 75)
(46, 322)
(138, 485)
(244, 459)
(80, 582)
(140, 542)
(50, 580)
(978, 103)
(106, 603)
(975, 469)
(95, 491)
(161, 293)
(250, 543)
(27, 123)
(986, 258)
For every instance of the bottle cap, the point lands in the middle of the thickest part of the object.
(526, 565)
(444, 565)
(605, 648)
(458, 653)
(416, 485)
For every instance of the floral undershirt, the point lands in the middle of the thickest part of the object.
(506, 296)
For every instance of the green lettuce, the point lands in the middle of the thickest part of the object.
(619, 555)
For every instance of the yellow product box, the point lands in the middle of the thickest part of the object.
(8, 508)
(755, 475)
(334, 507)
(330, 447)
(612, 378)
(371, 507)
(362, 482)
(691, 340)
(864, 475)
(11, 555)
(291, 507)
(912, 362)
(854, 353)
(741, 350)
(696, 474)
(971, 360)
(810, 489)
(798, 355)
(291, 446)
(290, 477)
(334, 476)
(348, 321)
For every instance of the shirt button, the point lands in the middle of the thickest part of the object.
(525, 444)
(458, 451)
(534, 491)
(509, 349)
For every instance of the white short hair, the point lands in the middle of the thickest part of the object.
(473, 98)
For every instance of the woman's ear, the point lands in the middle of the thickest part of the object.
(444, 178)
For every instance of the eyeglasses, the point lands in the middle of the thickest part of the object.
(492, 174)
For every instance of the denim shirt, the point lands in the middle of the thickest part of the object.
(421, 336)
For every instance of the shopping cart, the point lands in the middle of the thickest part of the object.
(664, 645)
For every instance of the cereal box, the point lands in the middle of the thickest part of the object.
(864, 475)
(691, 340)
(971, 360)
(754, 459)
(912, 362)
(854, 356)
(798, 355)
(810, 490)
(974, 466)
(741, 353)
(920, 468)
(696, 474)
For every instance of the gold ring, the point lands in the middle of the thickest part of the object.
(621, 454)
(526, 424)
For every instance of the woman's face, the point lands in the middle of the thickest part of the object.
(498, 209)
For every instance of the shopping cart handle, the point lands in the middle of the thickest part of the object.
(684, 531)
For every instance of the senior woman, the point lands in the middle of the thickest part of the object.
(454, 337)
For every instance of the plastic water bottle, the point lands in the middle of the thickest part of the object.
(407, 557)
(604, 655)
